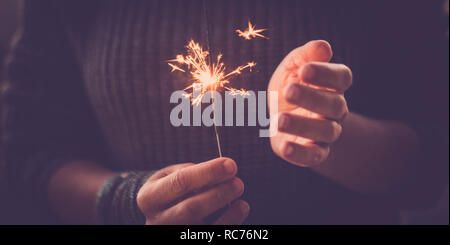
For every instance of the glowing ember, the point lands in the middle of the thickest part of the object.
(207, 76)
(251, 32)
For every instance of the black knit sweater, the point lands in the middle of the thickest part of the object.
(88, 80)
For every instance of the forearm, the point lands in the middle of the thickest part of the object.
(73, 189)
(372, 157)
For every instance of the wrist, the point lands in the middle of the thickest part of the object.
(116, 201)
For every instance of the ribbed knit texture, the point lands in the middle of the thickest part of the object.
(129, 82)
(128, 78)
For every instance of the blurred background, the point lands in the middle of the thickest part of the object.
(9, 17)
(12, 213)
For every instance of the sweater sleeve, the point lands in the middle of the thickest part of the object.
(48, 119)
(405, 78)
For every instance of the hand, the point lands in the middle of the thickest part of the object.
(187, 193)
(311, 103)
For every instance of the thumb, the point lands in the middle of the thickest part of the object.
(317, 50)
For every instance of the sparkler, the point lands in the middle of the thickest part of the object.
(206, 75)
(251, 32)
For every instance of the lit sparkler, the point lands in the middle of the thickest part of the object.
(251, 32)
(207, 76)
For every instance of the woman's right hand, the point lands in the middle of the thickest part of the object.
(187, 193)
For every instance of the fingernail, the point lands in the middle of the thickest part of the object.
(229, 166)
(245, 208)
(293, 92)
(288, 150)
(283, 122)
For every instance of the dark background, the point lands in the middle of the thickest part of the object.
(12, 212)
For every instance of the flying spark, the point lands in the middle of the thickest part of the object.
(206, 75)
(251, 32)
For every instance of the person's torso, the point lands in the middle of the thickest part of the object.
(124, 62)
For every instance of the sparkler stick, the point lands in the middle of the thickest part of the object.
(215, 127)
(210, 76)
(207, 76)
(205, 11)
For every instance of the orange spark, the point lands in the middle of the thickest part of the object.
(207, 76)
(251, 32)
(175, 68)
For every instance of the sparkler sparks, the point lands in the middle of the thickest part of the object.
(251, 32)
(211, 76)
(207, 76)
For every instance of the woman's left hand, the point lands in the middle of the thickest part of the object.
(311, 103)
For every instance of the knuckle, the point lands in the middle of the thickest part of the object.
(229, 191)
(309, 66)
(333, 132)
(190, 164)
(179, 182)
(161, 173)
(170, 169)
(325, 152)
(347, 76)
(300, 126)
(327, 131)
(213, 171)
(339, 107)
(313, 98)
(238, 186)
(308, 71)
(305, 97)
(189, 210)
(219, 195)
(318, 154)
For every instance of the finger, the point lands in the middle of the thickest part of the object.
(178, 184)
(334, 76)
(235, 214)
(319, 130)
(327, 104)
(168, 170)
(317, 50)
(203, 204)
(303, 155)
